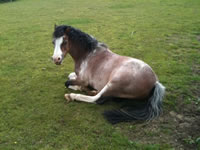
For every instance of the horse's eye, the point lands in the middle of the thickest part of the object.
(53, 42)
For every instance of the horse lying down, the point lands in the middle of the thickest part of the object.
(102, 73)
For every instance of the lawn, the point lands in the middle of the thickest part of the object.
(33, 111)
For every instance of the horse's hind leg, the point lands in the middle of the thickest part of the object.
(85, 98)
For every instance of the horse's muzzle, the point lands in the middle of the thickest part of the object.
(57, 61)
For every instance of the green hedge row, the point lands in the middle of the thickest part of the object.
(1, 1)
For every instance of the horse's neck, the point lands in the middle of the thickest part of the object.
(78, 56)
(77, 66)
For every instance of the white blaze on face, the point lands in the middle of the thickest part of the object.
(57, 55)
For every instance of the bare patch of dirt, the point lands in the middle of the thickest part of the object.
(172, 128)
(196, 85)
(198, 38)
(196, 69)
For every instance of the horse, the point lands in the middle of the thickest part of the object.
(102, 73)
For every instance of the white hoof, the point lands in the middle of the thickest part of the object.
(68, 98)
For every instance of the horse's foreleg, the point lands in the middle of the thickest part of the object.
(72, 76)
(75, 84)
(85, 98)
(72, 83)
(75, 87)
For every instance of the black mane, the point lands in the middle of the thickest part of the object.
(76, 36)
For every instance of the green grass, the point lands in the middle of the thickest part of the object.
(33, 111)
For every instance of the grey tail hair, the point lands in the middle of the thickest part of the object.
(155, 106)
(152, 109)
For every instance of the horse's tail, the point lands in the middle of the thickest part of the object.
(150, 110)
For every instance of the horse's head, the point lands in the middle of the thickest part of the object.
(61, 44)
(67, 39)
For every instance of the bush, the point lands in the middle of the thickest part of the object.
(2, 1)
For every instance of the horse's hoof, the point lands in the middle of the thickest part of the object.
(67, 83)
(68, 98)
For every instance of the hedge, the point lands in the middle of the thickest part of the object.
(1, 1)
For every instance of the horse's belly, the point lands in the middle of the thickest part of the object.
(98, 82)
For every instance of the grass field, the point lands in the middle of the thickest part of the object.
(33, 111)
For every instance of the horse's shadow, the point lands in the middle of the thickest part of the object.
(121, 102)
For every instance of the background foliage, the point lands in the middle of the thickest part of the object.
(2, 1)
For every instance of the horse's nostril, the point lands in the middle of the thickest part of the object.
(58, 58)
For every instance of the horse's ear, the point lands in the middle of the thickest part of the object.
(55, 26)
(67, 30)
